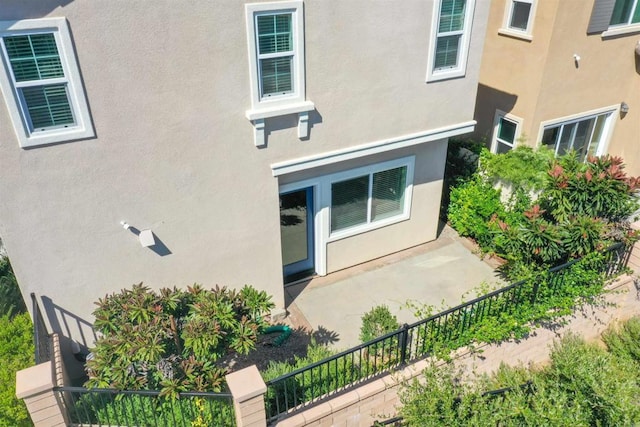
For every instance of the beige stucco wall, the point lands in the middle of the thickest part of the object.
(538, 80)
(167, 84)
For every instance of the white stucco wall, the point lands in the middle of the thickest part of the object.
(167, 84)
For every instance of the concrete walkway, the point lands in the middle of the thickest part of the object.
(438, 273)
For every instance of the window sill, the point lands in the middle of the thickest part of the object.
(619, 31)
(257, 116)
(281, 110)
(364, 228)
(515, 34)
(445, 75)
(53, 137)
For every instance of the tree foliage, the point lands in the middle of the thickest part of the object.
(171, 340)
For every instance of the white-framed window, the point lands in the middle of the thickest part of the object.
(625, 12)
(275, 33)
(41, 82)
(370, 197)
(586, 134)
(518, 19)
(451, 36)
(506, 132)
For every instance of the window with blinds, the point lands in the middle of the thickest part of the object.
(275, 53)
(450, 31)
(368, 198)
(40, 80)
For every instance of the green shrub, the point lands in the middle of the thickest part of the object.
(583, 386)
(11, 301)
(523, 167)
(152, 410)
(171, 340)
(624, 340)
(472, 206)
(16, 353)
(377, 322)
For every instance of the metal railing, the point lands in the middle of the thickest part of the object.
(108, 407)
(41, 337)
(449, 329)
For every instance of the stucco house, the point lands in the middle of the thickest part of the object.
(564, 74)
(223, 142)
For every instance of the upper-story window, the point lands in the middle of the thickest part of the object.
(276, 53)
(518, 19)
(613, 18)
(451, 36)
(625, 12)
(41, 82)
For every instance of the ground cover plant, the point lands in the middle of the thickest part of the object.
(583, 385)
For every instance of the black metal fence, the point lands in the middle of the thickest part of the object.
(41, 337)
(107, 407)
(449, 329)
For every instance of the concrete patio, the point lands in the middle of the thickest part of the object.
(440, 273)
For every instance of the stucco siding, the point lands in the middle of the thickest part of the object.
(167, 84)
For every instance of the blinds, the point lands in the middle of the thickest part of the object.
(275, 52)
(274, 33)
(48, 106)
(451, 15)
(276, 75)
(349, 202)
(447, 52)
(388, 193)
(368, 198)
(33, 57)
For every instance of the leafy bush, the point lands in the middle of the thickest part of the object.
(171, 340)
(523, 167)
(583, 386)
(580, 208)
(461, 164)
(624, 340)
(377, 322)
(16, 353)
(134, 409)
(472, 206)
(11, 301)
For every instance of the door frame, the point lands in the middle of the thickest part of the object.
(319, 240)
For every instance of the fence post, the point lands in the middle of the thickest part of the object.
(404, 341)
(35, 386)
(248, 388)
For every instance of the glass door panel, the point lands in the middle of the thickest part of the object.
(296, 233)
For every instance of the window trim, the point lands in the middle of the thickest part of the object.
(263, 105)
(607, 132)
(621, 29)
(465, 40)
(26, 138)
(526, 34)
(322, 206)
(370, 170)
(496, 126)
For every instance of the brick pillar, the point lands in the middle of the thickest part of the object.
(248, 389)
(35, 386)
